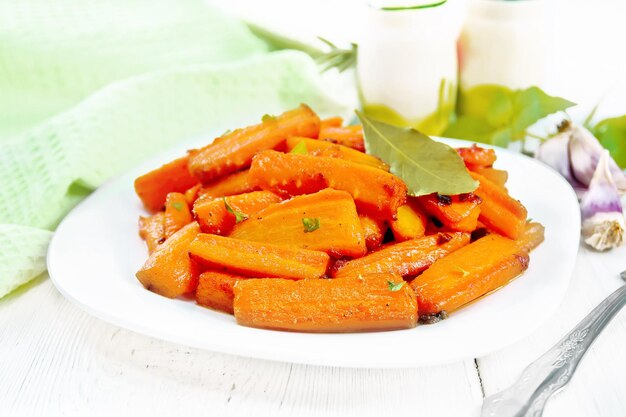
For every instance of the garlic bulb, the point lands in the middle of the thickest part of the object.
(574, 153)
(603, 224)
(584, 153)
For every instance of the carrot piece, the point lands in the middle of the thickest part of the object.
(177, 213)
(531, 237)
(335, 121)
(497, 176)
(407, 258)
(215, 290)
(410, 222)
(214, 217)
(374, 231)
(253, 259)
(475, 156)
(468, 273)
(498, 211)
(169, 271)
(457, 212)
(375, 192)
(233, 184)
(153, 187)
(350, 136)
(235, 150)
(192, 193)
(339, 231)
(152, 230)
(324, 148)
(326, 305)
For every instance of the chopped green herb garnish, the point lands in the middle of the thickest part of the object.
(225, 133)
(177, 205)
(300, 149)
(395, 287)
(239, 217)
(462, 271)
(311, 224)
(268, 118)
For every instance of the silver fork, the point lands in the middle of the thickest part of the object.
(553, 370)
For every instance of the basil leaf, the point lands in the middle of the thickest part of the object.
(395, 287)
(239, 217)
(310, 224)
(426, 166)
(300, 149)
(612, 135)
(177, 205)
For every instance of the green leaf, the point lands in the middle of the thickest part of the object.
(498, 115)
(612, 135)
(532, 104)
(395, 287)
(300, 149)
(177, 205)
(426, 166)
(239, 217)
(310, 224)
(268, 118)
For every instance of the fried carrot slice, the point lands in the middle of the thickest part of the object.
(235, 150)
(215, 290)
(335, 121)
(475, 156)
(407, 258)
(153, 187)
(214, 216)
(192, 193)
(233, 184)
(498, 210)
(375, 192)
(410, 221)
(350, 136)
(324, 148)
(531, 236)
(335, 227)
(177, 213)
(468, 273)
(152, 230)
(457, 212)
(169, 271)
(374, 231)
(370, 302)
(253, 259)
(497, 176)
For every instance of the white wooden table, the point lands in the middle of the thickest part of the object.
(56, 360)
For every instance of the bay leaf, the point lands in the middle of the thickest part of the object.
(425, 165)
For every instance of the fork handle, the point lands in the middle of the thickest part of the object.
(554, 369)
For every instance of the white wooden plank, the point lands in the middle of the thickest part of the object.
(598, 386)
(57, 360)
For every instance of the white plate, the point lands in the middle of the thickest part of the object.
(96, 251)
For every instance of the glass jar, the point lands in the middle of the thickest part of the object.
(504, 42)
(407, 64)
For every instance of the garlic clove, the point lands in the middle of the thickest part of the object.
(603, 225)
(555, 153)
(585, 152)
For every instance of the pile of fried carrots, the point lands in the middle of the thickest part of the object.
(289, 224)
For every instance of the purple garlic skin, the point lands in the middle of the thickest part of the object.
(603, 223)
(585, 152)
(574, 153)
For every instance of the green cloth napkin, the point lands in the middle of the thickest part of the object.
(88, 90)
